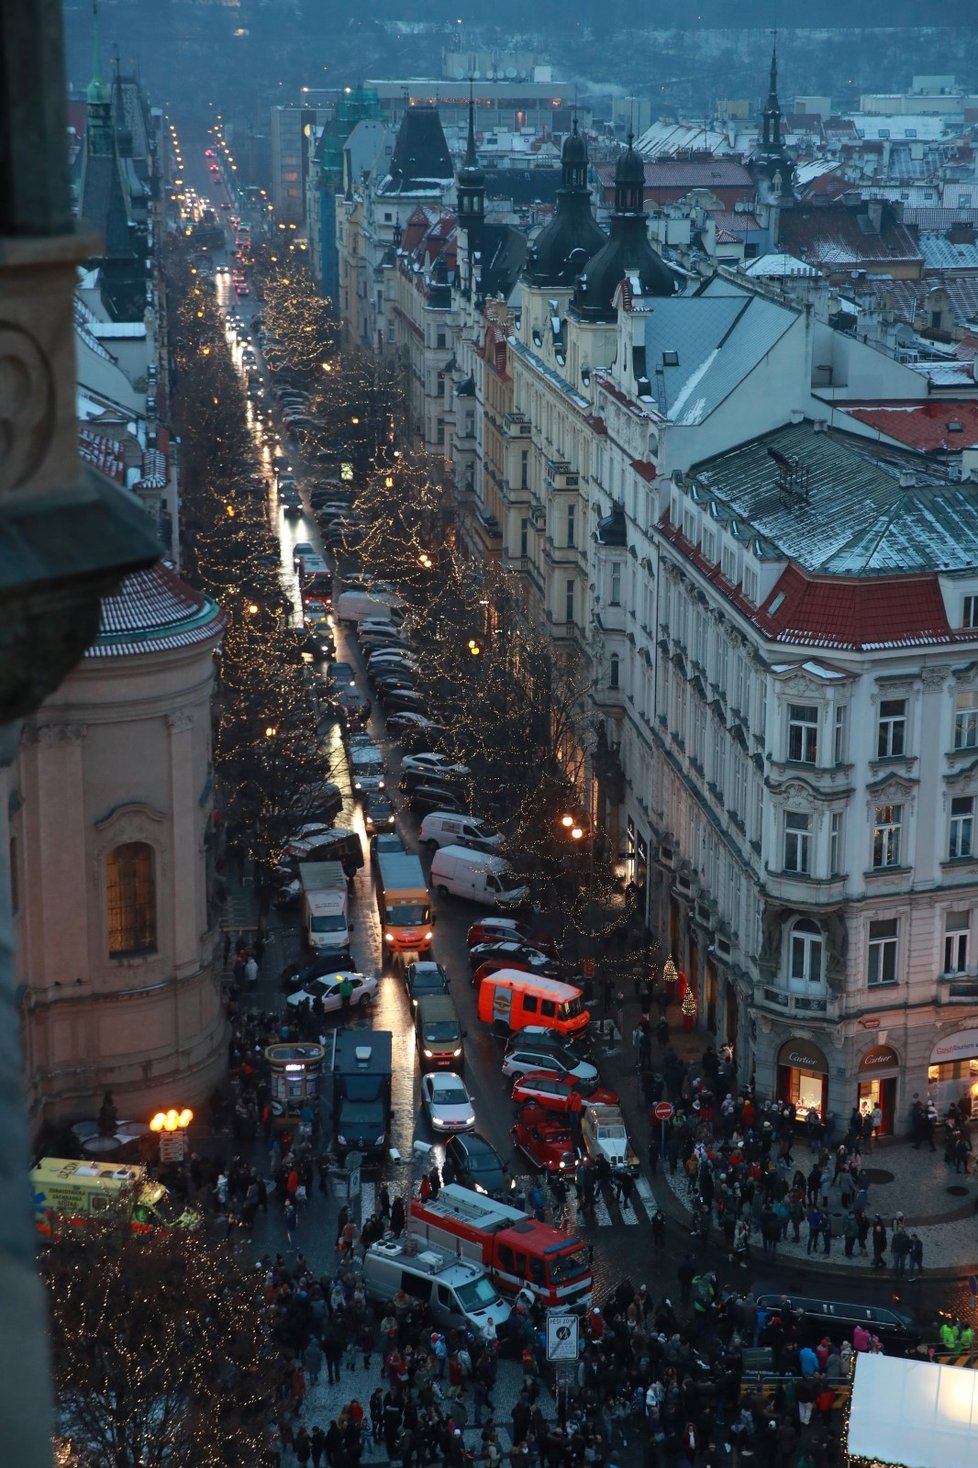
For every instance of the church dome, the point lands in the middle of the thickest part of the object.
(627, 251)
(564, 245)
(153, 611)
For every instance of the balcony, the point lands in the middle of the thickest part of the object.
(817, 1006)
(560, 476)
(798, 890)
(515, 425)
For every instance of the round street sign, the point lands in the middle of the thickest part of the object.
(663, 1110)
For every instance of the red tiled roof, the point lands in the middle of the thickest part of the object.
(103, 454)
(153, 611)
(922, 426)
(732, 221)
(835, 237)
(898, 611)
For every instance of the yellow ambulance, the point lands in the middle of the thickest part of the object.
(75, 1191)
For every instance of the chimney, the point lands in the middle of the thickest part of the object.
(962, 232)
(908, 479)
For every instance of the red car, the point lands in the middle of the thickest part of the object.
(508, 930)
(553, 1092)
(546, 1138)
(493, 965)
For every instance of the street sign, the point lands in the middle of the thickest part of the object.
(562, 1337)
(354, 1184)
(664, 1110)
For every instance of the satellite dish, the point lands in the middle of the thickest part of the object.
(511, 73)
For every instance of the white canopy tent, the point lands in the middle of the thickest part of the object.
(914, 1414)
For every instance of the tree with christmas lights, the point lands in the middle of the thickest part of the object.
(160, 1352)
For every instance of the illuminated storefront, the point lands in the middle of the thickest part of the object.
(803, 1077)
(953, 1071)
(879, 1071)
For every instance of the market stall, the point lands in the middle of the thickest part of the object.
(912, 1414)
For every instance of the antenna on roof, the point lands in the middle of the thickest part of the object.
(794, 478)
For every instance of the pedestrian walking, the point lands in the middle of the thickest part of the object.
(900, 1249)
(879, 1242)
(291, 1219)
(916, 1256)
(251, 971)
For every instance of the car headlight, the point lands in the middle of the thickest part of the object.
(388, 937)
(429, 935)
(456, 1053)
(470, 1120)
(380, 784)
(428, 1054)
(381, 1140)
(341, 1141)
(480, 1189)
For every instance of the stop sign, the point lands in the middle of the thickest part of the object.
(663, 1110)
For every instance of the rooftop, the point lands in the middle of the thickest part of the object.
(858, 519)
(698, 349)
(154, 611)
(941, 427)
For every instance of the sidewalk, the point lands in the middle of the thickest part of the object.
(938, 1204)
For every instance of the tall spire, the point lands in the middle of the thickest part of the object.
(471, 160)
(97, 92)
(771, 134)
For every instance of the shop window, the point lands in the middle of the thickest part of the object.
(806, 954)
(956, 928)
(891, 735)
(803, 733)
(130, 881)
(962, 827)
(797, 842)
(882, 953)
(887, 833)
(966, 721)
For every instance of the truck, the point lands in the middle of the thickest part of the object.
(604, 1134)
(325, 906)
(358, 604)
(517, 1252)
(404, 905)
(74, 1191)
(362, 1068)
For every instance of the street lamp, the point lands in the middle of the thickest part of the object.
(171, 1128)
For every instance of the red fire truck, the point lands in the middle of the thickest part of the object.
(516, 1251)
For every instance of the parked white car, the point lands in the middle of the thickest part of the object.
(327, 989)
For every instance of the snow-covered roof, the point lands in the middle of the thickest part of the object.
(941, 254)
(920, 126)
(698, 349)
(777, 265)
(857, 519)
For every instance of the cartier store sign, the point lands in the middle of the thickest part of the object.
(881, 1057)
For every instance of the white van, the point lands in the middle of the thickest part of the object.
(445, 828)
(359, 605)
(458, 1293)
(476, 876)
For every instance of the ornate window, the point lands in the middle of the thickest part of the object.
(887, 831)
(882, 952)
(803, 733)
(966, 721)
(891, 738)
(806, 955)
(961, 840)
(797, 842)
(130, 882)
(956, 928)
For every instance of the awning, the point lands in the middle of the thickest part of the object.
(912, 1414)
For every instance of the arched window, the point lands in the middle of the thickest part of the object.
(806, 952)
(130, 883)
(614, 674)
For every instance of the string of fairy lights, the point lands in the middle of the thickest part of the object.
(162, 1353)
(268, 749)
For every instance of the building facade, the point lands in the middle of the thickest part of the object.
(110, 834)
